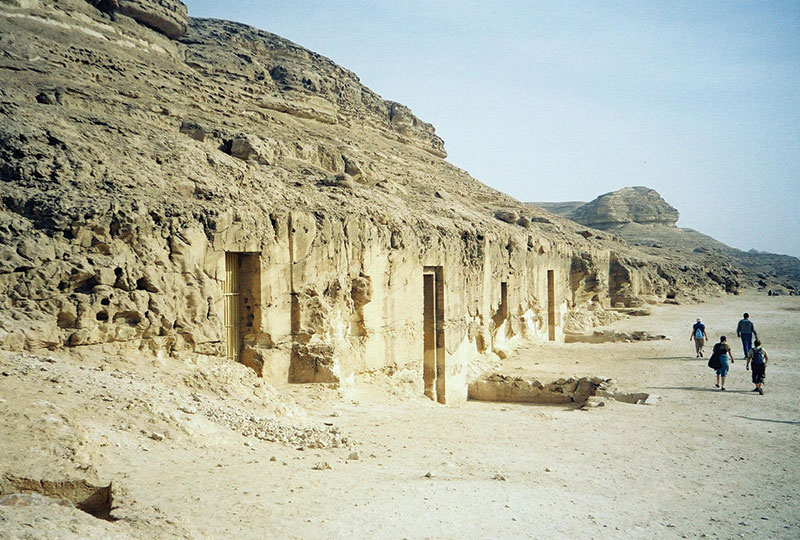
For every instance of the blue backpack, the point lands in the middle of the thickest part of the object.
(758, 356)
(698, 334)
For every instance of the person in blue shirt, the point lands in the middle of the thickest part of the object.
(699, 336)
(747, 332)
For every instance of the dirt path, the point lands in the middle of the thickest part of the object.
(701, 463)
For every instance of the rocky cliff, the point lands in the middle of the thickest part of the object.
(221, 190)
(641, 217)
(637, 204)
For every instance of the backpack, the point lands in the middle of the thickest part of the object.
(698, 334)
(758, 356)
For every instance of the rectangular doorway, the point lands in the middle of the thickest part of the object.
(551, 305)
(433, 367)
(501, 314)
(242, 300)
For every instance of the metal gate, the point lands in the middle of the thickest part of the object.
(230, 292)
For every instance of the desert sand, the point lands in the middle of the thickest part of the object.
(185, 444)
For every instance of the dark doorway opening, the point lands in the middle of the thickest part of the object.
(501, 315)
(242, 296)
(433, 368)
(551, 305)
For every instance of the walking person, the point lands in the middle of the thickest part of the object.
(757, 359)
(723, 350)
(747, 332)
(699, 336)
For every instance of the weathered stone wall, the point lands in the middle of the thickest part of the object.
(343, 299)
(336, 297)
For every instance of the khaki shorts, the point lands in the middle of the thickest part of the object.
(698, 344)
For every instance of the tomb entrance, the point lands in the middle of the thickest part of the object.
(501, 315)
(433, 368)
(551, 306)
(242, 298)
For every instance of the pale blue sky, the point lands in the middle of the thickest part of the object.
(566, 100)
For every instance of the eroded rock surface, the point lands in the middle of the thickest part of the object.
(147, 181)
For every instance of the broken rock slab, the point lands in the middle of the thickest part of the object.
(610, 336)
(498, 387)
(33, 499)
(589, 392)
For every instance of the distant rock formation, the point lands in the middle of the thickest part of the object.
(640, 216)
(637, 204)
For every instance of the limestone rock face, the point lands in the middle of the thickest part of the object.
(234, 194)
(282, 76)
(631, 204)
(166, 16)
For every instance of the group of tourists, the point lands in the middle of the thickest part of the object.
(722, 355)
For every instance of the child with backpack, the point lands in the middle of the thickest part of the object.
(758, 358)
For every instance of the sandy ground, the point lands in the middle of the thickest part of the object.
(187, 446)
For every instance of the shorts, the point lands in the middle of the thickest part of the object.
(723, 371)
(698, 344)
(759, 372)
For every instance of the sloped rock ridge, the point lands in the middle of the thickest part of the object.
(232, 194)
(284, 77)
(642, 218)
(637, 204)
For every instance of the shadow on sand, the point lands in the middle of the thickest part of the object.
(700, 389)
(790, 422)
(687, 358)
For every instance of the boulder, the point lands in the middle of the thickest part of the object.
(509, 216)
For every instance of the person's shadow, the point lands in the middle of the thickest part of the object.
(699, 389)
(790, 422)
(687, 358)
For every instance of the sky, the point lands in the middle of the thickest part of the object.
(566, 100)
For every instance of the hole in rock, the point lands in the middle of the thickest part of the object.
(129, 317)
(92, 499)
(144, 284)
(87, 286)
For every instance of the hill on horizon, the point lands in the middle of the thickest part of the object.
(641, 217)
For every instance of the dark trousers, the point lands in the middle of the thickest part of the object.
(759, 372)
(747, 342)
